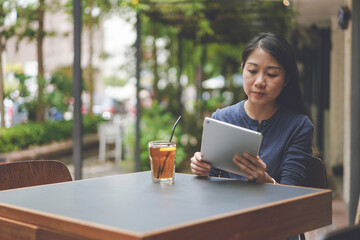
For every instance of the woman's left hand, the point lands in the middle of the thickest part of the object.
(253, 167)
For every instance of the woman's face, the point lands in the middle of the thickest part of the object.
(264, 78)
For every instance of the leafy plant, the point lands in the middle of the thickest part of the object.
(32, 134)
(61, 80)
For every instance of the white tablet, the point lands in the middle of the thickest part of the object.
(221, 141)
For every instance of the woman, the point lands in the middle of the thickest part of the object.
(273, 107)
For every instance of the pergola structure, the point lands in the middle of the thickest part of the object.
(231, 21)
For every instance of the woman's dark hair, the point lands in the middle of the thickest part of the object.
(280, 49)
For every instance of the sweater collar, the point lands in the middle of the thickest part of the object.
(254, 122)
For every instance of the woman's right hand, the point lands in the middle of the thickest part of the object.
(197, 166)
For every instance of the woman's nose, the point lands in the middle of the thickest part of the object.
(260, 81)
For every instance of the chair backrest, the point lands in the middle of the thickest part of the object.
(316, 175)
(347, 233)
(109, 131)
(32, 173)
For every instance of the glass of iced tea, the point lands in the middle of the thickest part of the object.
(162, 161)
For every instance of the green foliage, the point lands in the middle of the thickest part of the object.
(20, 137)
(24, 92)
(6, 7)
(93, 10)
(62, 79)
(62, 93)
(60, 131)
(31, 108)
(88, 17)
(28, 17)
(90, 123)
(114, 81)
(19, 85)
(32, 134)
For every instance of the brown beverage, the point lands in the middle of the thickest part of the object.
(162, 160)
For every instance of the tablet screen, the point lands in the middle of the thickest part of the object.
(221, 141)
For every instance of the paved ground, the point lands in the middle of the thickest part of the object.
(93, 168)
(340, 220)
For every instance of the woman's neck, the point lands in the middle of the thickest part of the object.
(260, 112)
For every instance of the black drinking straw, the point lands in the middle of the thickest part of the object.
(161, 169)
(172, 133)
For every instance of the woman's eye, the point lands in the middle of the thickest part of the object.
(272, 75)
(252, 71)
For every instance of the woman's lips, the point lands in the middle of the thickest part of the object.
(258, 93)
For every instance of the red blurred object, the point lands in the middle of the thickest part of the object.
(84, 110)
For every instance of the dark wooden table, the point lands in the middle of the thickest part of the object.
(130, 206)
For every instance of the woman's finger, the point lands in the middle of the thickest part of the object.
(245, 162)
(255, 160)
(198, 167)
(252, 172)
(198, 170)
(249, 173)
(244, 165)
(198, 156)
(196, 162)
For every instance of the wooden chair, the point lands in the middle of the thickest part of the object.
(347, 233)
(32, 173)
(26, 174)
(316, 176)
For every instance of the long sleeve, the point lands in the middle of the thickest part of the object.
(297, 153)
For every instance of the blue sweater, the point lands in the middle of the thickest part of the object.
(286, 144)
